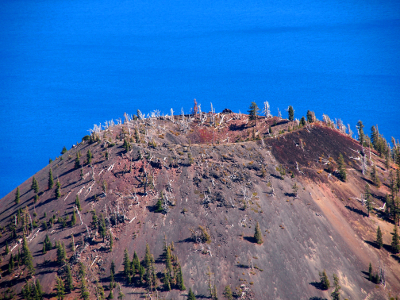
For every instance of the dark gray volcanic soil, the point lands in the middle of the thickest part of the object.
(224, 191)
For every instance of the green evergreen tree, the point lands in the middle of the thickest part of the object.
(159, 207)
(27, 258)
(368, 199)
(78, 203)
(228, 293)
(61, 255)
(50, 183)
(179, 280)
(111, 295)
(370, 274)
(69, 283)
(341, 168)
(253, 112)
(310, 116)
(136, 263)
(191, 295)
(127, 146)
(214, 293)
(73, 218)
(47, 245)
(395, 241)
(302, 121)
(374, 177)
(64, 150)
(39, 290)
(291, 113)
(258, 235)
(147, 257)
(324, 283)
(168, 262)
(379, 240)
(16, 199)
(336, 292)
(361, 136)
(120, 295)
(77, 162)
(167, 281)
(60, 288)
(89, 157)
(6, 250)
(35, 185)
(84, 293)
(11, 264)
(58, 189)
(126, 263)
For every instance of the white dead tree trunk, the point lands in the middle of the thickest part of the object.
(349, 130)
(266, 111)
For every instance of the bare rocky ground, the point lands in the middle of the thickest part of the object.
(224, 176)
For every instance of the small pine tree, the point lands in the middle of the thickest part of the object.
(35, 185)
(64, 150)
(395, 241)
(191, 295)
(6, 250)
(73, 218)
(78, 203)
(253, 112)
(60, 288)
(291, 113)
(147, 257)
(167, 281)
(159, 207)
(83, 286)
(11, 264)
(27, 258)
(16, 200)
(370, 275)
(310, 116)
(258, 235)
(127, 146)
(336, 292)
(77, 162)
(379, 240)
(120, 295)
(302, 121)
(69, 286)
(58, 189)
(50, 183)
(89, 157)
(39, 290)
(228, 293)
(214, 293)
(180, 283)
(341, 168)
(374, 177)
(61, 253)
(111, 295)
(324, 283)
(126, 263)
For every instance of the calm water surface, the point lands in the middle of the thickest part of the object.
(65, 65)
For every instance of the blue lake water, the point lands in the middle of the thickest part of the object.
(65, 65)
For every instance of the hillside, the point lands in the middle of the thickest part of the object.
(215, 176)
